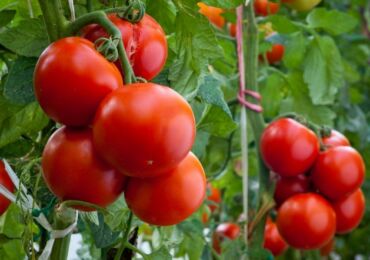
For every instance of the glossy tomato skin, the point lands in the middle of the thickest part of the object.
(214, 14)
(306, 221)
(73, 171)
(302, 5)
(144, 129)
(225, 230)
(276, 54)
(273, 240)
(265, 7)
(288, 187)
(7, 183)
(171, 198)
(335, 139)
(288, 148)
(145, 43)
(349, 211)
(214, 196)
(328, 248)
(71, 78)
(338, 172)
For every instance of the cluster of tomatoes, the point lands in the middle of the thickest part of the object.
(116, 138)
(317, 192)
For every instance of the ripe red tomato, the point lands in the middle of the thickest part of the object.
(328, 248)
(306, 221)
(276, 54)
(214, 196)
(335, 139)
(144, 129)
(288, 147)
(145, 43)
(287, 187)
(349, 211)
(213, 14)
(171, 198)
(71, 79)
(272, 239)
(338, 172)
(265, 7)
(232, 29)
(73, 171)
(225, 230)
(7, 183)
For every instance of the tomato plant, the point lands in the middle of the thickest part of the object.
(265, 7)
(7, 183)
(275, 54)
(335, 139)
(287, 187)
(224, 231)
(272, 239)
(214, 14)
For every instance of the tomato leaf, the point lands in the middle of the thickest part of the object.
(28, 38)
(333, 21)
(300, 103)
(323, 70)
(160, 254)
(282, 24)
(102, 234)
(6, 16)
(272, 95)
(224, 3)
(18, 87)
(164, 12)
(200, 144)
(295, 50)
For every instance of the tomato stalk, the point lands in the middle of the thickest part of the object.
(99, 17)
(124, 242)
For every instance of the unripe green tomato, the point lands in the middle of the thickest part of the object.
(302, 5)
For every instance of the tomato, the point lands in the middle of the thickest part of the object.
(288, 147)
(214, 14)
(144, 129)
(214, 196)
(265, 7)
(225, 230)
(328, 248)
(73, 171)
(338, 172)
(302, 5)
(71, 79)
(232, 29)
(306, 221)
(8, 184)
(145, 43)
(335, 139)
(171, 198)
(349, 211)
(272, 239)
(276, 54)
(287, 187)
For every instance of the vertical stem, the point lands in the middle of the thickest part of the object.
(124, 238)
(53, 18)
(30, 9)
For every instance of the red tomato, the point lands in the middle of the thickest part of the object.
(265, 7)
(287, 187)
(71, 78)
(171, 198)
(213, 14)
(335, 139)
(73, 171)
(338, 172)
(328, 248)
(225, 230)
(145, 43)
(144, 129)
(306, 221)
(272, 239)
(349, 211)
(7, 183)
(232, 29)
(276, 54)
(288, 147)
(214, 196)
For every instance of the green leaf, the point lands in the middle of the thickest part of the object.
(332, 21)
(216, 122)
(118, 215)
(12, 250)
(224, 3)
(283, 24)
(210, 92)
(300, 103)
(18, 87)
(295, 50)
(271, 92)
(27, 120)
(192, 246)
(102, 234)
(195, 47)
(160, 254)
(323, 70)
(6, 16)
(17, 149)
(200, 144)
(11, 222)
(191, 227)
(28, 38)
(164, 12)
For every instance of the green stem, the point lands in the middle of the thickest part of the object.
(79, 203)
(137, 250)
(99, 17)
(124, 238)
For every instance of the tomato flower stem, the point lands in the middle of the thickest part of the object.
(99, 17)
